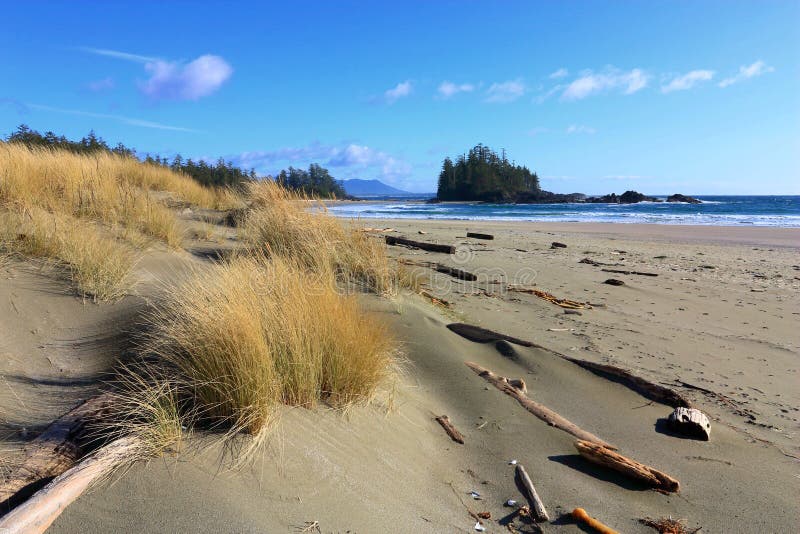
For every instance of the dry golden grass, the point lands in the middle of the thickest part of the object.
(104, 187)
(99, 265)
(254, 332)
(286, 224)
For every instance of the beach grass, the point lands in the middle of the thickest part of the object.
(98, 263)
(250, 333)
(288, 224)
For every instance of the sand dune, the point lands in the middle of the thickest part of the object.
(390, 467)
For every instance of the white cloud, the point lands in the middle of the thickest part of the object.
(687, 81)
(170, 80)
(401, 90)
(176, 80)
(747, 71)
(580, 128)
(560, 73)
(98, 86)
(118, 118)
(448, 89)
(346, 161)
(628, 82)
(505, 91)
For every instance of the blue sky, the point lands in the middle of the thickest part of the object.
(597, 97)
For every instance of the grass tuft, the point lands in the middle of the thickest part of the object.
(98, 264)
(253, 333)
(289, 225)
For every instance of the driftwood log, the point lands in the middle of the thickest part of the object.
(647, 389)
(56, 449)
(538, 511)
(556, 244)
(482, 335)
(456, 273)
(36, 514)
(579, 514)
(690, 422)
(431, 247)
(539, 410)
(451, 430)
(606, 457)
(476, 235)
(620, 271)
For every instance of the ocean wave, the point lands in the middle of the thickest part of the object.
(731, 211)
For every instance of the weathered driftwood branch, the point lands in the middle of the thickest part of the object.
(644, 387)
(621, 271)
(482, 335)
(456, 273)
(36, 514)
(564, 303)
(690, 422)
(542, 412)
(604, 456)
(476, 235)
(580, 515)
(432, 247)
(539, 512)
(452, 431)
(56, 449)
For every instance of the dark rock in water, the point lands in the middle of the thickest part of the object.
(683, 198)
(556, 244)
(628, 197)
(614, 282)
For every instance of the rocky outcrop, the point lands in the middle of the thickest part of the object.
(677, 197)
(628, 197)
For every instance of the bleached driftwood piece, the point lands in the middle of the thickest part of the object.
(35, 515)
(56, 449)
(604, 456)
(539, 512)
(539, 410)
(691, 422)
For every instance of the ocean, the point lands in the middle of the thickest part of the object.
(777, 211)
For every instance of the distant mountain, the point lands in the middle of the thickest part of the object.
(361, 188)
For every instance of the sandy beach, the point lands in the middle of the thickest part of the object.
(718, 324)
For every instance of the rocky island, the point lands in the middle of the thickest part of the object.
(483, 175)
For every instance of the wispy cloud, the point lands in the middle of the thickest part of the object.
(589, 83)
(449, 89)
(747, 71)
(116, 54)
(560, 73)
(348, 160)
(98, 86)
(579, 129)
(687, 81)
(401, 90)
(505, 91)
(175, 80)
(119, 118)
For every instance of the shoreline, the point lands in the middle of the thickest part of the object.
(689, 233)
